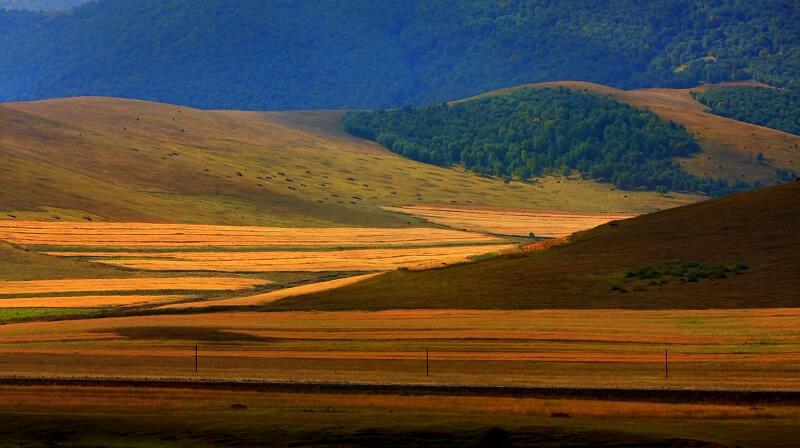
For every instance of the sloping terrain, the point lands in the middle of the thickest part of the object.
(730, 147)
(125, 160)
(748, 241)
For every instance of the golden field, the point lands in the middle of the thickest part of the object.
(126, 284)
(516, 222)
(739, 349)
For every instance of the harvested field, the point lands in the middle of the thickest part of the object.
(87, 301)
(173, 247)
(515, 222)
(140, 235)
(310, 261)
(127, 284)
(604, 348)
(261, 299)
(160, 416)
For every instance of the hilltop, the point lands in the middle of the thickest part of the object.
(125, 160)
(282, 55)
(730, 148)
(738, 251)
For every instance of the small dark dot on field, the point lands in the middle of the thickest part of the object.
(259, 185)
(394, 192)
(308, 172)
(206, 170)
(292, 188)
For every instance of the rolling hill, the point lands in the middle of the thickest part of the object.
(746, 244)
(124, 160)
(730, 147)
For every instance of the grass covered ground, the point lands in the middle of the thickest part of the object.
(183, 418)
(753, 229)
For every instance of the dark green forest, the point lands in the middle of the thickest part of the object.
(531, 132)
(284, 54)
(773, 108)
(41, 5)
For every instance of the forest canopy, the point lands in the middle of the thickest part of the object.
(531, 132)
(285, 54)
(773, 108)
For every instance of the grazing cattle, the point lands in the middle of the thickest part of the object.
(613, 224)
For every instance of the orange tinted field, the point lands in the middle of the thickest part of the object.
(518, 222)
(585, 348)
(127, 284)
(261, 299)
(174, 247)
(85, 301)
(313, 261)
(140, 235)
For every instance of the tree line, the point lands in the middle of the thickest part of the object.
(532, 132)
(773, 108)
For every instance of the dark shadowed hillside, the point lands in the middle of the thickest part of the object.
(739, 251)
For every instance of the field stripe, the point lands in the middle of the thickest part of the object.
(346, 260)
(272, 296)
(86, 301)
(128, 284)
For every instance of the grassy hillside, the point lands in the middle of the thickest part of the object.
(125, 160)
(751, 234)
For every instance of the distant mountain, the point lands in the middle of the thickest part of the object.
(41, 5)
(281, 54)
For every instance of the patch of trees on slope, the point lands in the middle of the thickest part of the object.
(285, 54)
(531, 132)
(773, 108)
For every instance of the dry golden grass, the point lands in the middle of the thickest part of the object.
(307, 261)
(517, 222)
(261, 299)
(127, 284)
(147, 235)
(30, 399)
(87, 301)
(734, 348)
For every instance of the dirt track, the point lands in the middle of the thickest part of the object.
(715, 396)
